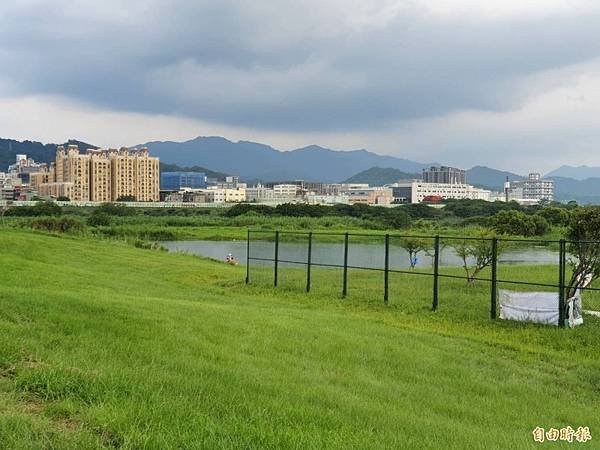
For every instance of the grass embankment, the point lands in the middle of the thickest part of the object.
(104, 345)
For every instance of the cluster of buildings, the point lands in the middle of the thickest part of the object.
(197, 188)
(95, 176)
(15, 182)
(133, 175)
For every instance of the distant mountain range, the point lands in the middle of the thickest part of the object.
(251, 160)
(217, 156)
(575, 172)
(489, 178)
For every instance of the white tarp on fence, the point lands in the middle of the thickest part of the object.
(539, 307)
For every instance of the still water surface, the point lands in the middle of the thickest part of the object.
(363, 255)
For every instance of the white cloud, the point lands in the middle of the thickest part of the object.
(504, 9)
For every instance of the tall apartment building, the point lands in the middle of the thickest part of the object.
(100, 176)
(445, 175)
(103, 175)
(73, 167)
(123, 176)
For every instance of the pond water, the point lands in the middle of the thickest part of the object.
(359, 254)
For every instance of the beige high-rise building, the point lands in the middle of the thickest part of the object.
(100, 176)
(103, 175)
(73, 167)
(147, 178)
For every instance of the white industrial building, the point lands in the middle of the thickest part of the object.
(415, 191)
(260, 193)
(285, 191)
(531, 190)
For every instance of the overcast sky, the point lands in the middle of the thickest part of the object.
(513, 84)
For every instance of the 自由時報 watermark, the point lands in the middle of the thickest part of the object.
(567, 434)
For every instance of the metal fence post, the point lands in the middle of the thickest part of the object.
(309, 261)
(386, 276)
(494, 296)
(436, 272)
(248, 258)
(561, 283)
(345, 280)
(276, 259)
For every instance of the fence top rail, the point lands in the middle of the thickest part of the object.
(533, 241)
(421, 236)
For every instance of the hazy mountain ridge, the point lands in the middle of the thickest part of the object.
(576, 172)
(489, 178)
(252, 160)
(257, 161)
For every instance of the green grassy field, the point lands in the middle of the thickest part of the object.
(103, 345)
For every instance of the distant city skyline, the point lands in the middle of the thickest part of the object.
(514, 86)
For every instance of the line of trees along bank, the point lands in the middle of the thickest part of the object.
(501, 217)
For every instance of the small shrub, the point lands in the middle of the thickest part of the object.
(139, 243)
(115, 209)
(99, 219)
(58, 224)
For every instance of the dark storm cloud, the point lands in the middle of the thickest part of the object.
(283, 65)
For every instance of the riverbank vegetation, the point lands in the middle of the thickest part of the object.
(465, 217)
(110, 346)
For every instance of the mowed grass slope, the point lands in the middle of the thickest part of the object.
(108, 346)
